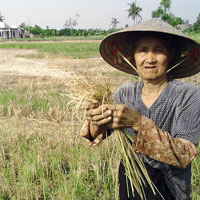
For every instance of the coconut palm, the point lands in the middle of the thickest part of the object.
(1, 17)
(71, 22)
(114, 23)
(134, 12)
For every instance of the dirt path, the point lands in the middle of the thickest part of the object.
(27, 63)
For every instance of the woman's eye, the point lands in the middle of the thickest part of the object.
(158, 50)
(143, 50)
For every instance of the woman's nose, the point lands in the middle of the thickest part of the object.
(150, 57)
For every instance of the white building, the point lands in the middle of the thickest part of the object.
(9, 32)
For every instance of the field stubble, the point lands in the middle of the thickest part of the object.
(41, 154)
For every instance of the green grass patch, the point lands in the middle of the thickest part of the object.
(21, 104)
(48, 166)
(195, 36)
(68, 49)
(196, 177)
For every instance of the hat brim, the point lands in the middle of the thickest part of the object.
(122, 41)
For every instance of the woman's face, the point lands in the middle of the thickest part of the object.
(151, 58)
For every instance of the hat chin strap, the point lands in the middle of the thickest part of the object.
(127, 61)
(176, 65)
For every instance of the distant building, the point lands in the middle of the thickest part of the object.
(9, 32)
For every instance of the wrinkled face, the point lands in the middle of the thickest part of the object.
(152, 58)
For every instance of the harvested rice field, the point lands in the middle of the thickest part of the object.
(41, 153)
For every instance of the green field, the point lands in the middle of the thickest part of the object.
(68, 49)
(41, 154)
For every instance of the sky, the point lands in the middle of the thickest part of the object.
(92, 14)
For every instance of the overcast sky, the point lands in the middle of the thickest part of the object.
(93, 14)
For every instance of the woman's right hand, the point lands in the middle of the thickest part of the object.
(92, 133)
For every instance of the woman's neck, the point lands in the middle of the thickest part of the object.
(153, 87)
(152, 90)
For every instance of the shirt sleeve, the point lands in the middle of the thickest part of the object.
(159, 145)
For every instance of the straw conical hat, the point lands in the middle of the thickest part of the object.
(121, 42)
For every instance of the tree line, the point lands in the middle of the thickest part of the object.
(37, 31)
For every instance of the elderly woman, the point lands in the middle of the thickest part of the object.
(161, 113)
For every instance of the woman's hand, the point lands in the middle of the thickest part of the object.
(115, 116)
(92, 133)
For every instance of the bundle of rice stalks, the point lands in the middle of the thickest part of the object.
(87, 90)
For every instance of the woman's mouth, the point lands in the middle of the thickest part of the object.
(150, 67)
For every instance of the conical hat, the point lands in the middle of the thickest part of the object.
(120, 43)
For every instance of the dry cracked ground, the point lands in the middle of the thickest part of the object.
(20, 63)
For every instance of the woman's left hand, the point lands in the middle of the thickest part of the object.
(115, 116)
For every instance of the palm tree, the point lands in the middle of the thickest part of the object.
(134, 12)
(1, 17)
(114, 23)
(70, 23)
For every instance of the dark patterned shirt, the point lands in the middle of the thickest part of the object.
(176, 112)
